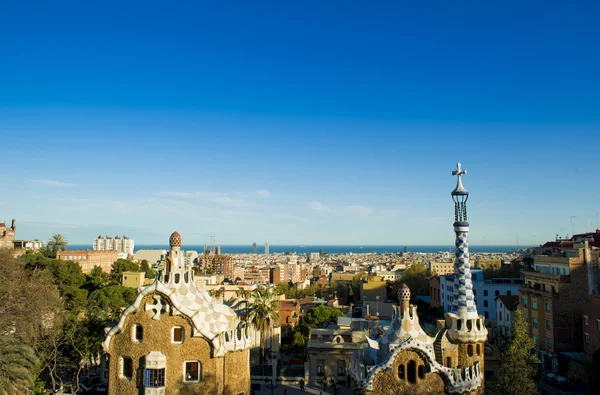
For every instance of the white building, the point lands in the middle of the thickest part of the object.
(123, 245)
(506, 305)
(484, 291)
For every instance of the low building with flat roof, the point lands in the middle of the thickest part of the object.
(88, 259)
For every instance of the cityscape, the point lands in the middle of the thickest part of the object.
(286, 198)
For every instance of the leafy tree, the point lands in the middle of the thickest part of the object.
(315, 318)
(96, 279)
(145, 267)
(57, 242)
(516, 363)
(264, 313)
(17, 364)
(123, 265)
(417, 278)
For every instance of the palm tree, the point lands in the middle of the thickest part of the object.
(264, 312)
(17, 362)
(57, 242)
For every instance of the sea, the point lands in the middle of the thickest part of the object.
(328, 249)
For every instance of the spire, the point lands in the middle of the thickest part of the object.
(463, 302)
(460, 196)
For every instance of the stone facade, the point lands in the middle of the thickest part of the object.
(175, 339)
(88, 259)
(7, 235)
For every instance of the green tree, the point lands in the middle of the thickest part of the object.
(123, 265)
(516, 363)
(315, 318)
(17, 364)
(57, 242)
(145, 267)
(417, 278)
(264, 313)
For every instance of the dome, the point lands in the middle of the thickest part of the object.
(404, 293)
(175, 240)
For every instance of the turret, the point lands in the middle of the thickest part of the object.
(463, 321)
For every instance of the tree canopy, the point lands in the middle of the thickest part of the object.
(516, 364)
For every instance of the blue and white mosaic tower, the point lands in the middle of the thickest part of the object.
(463, 303)
(463, 319)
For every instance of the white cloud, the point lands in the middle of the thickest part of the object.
(262, 193)
(358, 210)
(214, 197)
(319, 207)
(52, 183)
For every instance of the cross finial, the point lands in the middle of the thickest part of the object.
(459, 171)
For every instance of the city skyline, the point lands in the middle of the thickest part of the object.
(207, 122)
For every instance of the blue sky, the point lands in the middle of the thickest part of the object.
(304, 122)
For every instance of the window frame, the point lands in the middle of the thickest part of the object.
(134, 333)
(199, 372)
(320, 364)
(148, 382)
(122, 373)
(173, 335)
(585, 320)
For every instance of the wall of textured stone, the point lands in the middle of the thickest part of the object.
(464, 360)
(388, 382)
(157, 337)
(237, 373)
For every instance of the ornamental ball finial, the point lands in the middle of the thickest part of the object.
(175, 240)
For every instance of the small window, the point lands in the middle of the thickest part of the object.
(126, 368)
(587, 337)
(138, 333)
(547, 306)
(508, 293)
(549, 342)
(533, 305)
(411, 372)
(178, 334)
(524, 301)
(485, 292)
(585, 320)
(497, 293)
(485, 303)
(154, 378)
(535, 323)
(478, 349)
(470, 350)
(421, 371)
(177, 278)
(341, 367)
(320, 367)
(401, 372)
(487, 315)
(547, 324)
(448, 362)
(193, 371)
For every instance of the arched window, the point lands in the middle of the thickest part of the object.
(177, 278)
(178, 334)
(470, 350)
(192, 371)
(411, 371)
(478, 349)
(137, 333)
(421, 371)
(401, 372)
(469, 325)
(126, 368)
(459, 324)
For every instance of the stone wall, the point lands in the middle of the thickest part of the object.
(389, 382)
(157, 336)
